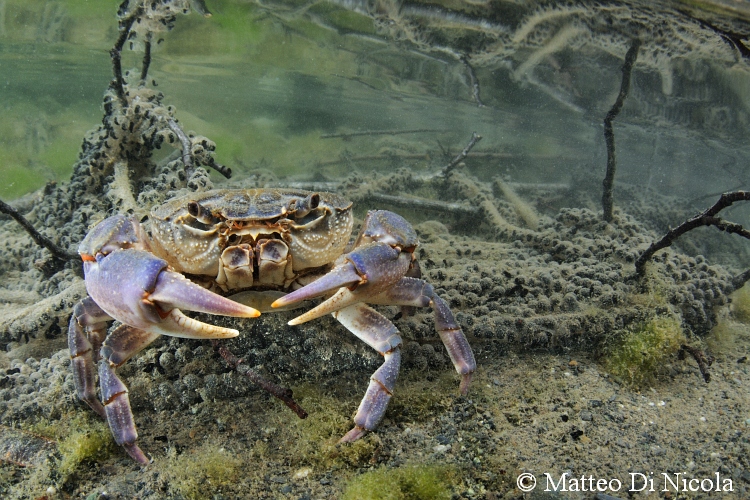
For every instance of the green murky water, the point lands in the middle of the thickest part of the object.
(266, 81)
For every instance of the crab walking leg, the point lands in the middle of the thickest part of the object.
(118, 347)
(419, 293)
(380, 334)
(88, 326)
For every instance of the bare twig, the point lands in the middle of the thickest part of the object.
(116, 54)
(426, 156)
(146, 59)
(740, 280)
(39, 238)
(474, 81)
(707, 218)
(222, 169)
(704, 360)
(609, 134)
(475, 138)
(282, 393)
(349, 135)
(384, 157)
(187, 145)
(187, 157)
(421, 204)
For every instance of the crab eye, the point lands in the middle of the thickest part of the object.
(194, 208)
(201, 213)
(301, 208)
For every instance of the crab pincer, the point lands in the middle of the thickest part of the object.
(358, 275)
(375, 272)
(135, 287)
(128, 283)
(382, 254)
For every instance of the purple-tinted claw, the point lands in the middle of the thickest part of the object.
(378, 266)
(341, 299)
(173, 290)
(344, 275)
(135, 287)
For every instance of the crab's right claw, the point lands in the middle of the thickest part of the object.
(135, 287)
(173, 290)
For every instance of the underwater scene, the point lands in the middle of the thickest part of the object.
(308, 249)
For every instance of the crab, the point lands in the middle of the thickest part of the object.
(291, 245)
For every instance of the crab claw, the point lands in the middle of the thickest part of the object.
(363, 273)
(343, 275)
(135, 287)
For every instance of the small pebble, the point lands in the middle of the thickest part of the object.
(302, 473)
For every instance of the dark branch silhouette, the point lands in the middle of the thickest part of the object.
(609, 134)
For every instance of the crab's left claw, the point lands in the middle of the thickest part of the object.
(364, 273)
(381, 257)
(344, 274)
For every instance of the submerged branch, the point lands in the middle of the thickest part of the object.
(475, 138)
(609, 134)
(38, 237)
(187, 146)
(704, 360)
(187, 155)
(707, 218)
(146, 59)
(421, 204)
(116, 54)
(222, 169)
(282, 393)
(740, 280)
(349, 135)
(474, 82)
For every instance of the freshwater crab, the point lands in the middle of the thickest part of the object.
(254, 240)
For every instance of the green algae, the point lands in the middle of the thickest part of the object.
(741, 304)
(642, 351)
(80, 439)
(202, 472)
(410, 482)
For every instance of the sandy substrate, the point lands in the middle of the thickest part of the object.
(533, 413)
